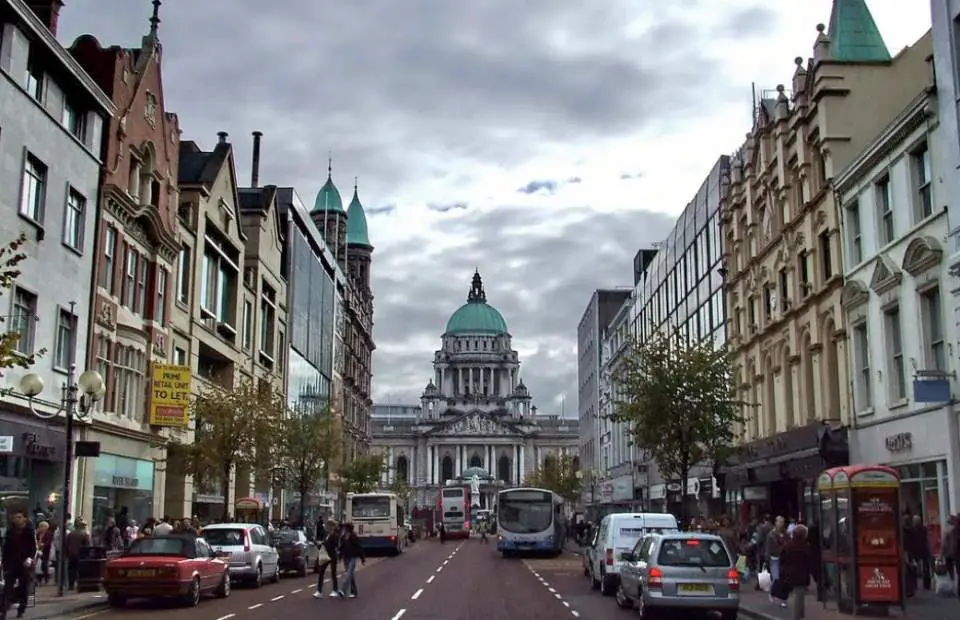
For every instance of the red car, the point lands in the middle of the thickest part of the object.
(173, 566)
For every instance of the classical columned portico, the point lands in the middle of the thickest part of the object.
(483, 453)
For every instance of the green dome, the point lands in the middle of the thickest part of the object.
(356, 222)
(476, 316)
(328, 198)
(480, 473)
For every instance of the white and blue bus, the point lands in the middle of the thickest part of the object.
(379, 521)
(530, 520)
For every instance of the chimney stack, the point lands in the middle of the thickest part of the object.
(223, 137)
(48, 11)
(255, 172)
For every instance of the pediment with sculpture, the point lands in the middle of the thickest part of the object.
(476, 424)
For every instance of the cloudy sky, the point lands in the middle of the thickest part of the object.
(543, 141)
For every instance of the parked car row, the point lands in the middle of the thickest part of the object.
(187, 567)
(647, 563)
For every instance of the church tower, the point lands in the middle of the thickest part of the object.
(330, 218)
(359, 250)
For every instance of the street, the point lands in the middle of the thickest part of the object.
(454, 581)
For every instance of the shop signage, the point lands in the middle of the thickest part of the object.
(125, 482)
(879, 584)
(170, 395)
(36, 447)
(901, 442)
(622, 488)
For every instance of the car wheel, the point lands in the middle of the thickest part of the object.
(594, 582)
(302, 570)
(276, 575)
(223, 590)
(258, 577)
(728, 614)
(605, 588)
(115, 600)
(192, 598)
(622, 601)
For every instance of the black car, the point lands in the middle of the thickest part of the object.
(297, 553)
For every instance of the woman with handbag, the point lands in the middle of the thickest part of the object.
(329, 555)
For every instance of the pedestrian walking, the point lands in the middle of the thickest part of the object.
(18, 555)
(796, 569)
(443, 533)
(329, 556)
(351, 552)
(483, 532)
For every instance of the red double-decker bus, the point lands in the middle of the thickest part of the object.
(453, 504)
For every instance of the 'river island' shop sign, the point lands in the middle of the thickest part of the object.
(170, 396)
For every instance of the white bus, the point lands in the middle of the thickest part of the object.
(378, 520)
(530, 520)
(453, 503)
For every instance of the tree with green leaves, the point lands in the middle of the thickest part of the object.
(234, 429)
(402, 489)
(363, 473)
(677, 397)
(558, 474)
(307, 445)
(11, 255)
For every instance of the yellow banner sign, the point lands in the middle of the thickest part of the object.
(170, 395)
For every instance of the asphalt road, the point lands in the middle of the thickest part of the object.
(454, 581)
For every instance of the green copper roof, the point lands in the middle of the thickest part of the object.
(476, 316)
(356, 222)
(854, 36)
(328, 198)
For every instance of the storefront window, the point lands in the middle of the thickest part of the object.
(122, 483)
(923, 493)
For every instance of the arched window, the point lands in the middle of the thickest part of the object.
(549, 462)
(503, 469)
(476, 461)
(403, 468)
(446, 469)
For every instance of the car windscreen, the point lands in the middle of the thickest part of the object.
(162, 546)
(370, 508)
(288, 536)
(223, 537)
(705, 552)
(524, 517)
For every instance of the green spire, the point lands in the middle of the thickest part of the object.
(356, 221)
(854, 36)
(328, 198)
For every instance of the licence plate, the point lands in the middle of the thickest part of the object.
(142, 572)
(696, 589)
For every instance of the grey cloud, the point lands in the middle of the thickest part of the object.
(539, 283)
(574, 180)
(626, 176)
(533, 187)
(445, 208)
(384, 210)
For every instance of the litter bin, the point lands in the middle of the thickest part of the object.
(90, 568)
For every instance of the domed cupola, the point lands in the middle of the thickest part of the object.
(357, 222)
(330, 218)
(521, 390)
(328, 198)
(431, 391)
(476, 317)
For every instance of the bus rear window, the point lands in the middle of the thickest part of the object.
(370, 508)
(453, 493)
(693, 552)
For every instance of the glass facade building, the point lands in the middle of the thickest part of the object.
(681, 284)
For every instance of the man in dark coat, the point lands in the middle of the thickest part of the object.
(18, 553)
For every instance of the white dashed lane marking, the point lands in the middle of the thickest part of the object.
(431, 578)
(257, 606)
(227, 617)
(553, 591)
(417, 594)
(277, 598)
(399, 614)
(297, 591)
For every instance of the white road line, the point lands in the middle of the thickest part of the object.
(545, 583)
(277, 598)
(552, 591)
(297, 591)
(537, 575)
(445, 562)
(439, 569)
(416, 594)
(576, 614)
(258, 605)
(431, 578)
(566, 604)
(227, 617)
(558, 596)
(399, 614)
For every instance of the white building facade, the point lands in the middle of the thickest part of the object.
(52, 116)
(896, 300)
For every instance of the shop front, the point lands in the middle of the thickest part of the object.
(122, 484)
(923, 448)
(778, 475)
(31, 464)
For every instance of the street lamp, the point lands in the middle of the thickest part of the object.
(85, 391)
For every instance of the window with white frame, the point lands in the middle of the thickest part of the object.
(73, 220)
(180, 357)
(74, 120)
(268, 318)
(896, 371)
(160, 303)
(218, 286)
(130, 279)
(863, 392)
(933, 336)
(105, 368)
(109, 259)
(129, 369)
(884, 211)
(66, 337)
(183, 275)
(247, 324)
(24, 322)
(854, 232)
(922, 177)
(34, 191)
(142, 269)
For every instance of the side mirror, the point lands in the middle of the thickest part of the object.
(627, 556)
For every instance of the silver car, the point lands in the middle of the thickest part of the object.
(667, 573)
(247, 548)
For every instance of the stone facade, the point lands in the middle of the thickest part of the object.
(475, 412)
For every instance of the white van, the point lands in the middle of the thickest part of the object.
(617, 534)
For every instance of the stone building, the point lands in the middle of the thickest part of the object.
(475, 412)
(52, 120)
(783, 257)
(345, 233)
(136, 250)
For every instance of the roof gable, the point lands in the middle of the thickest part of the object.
(477, 424)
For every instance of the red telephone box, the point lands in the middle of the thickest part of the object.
(860, 538)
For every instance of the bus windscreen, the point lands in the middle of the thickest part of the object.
(370, 508)
(527, 496)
